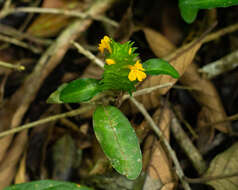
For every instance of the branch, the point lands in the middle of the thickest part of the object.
(72, 13)
(185, 143)
(46, 120)
(146, 90)
(220, 66)
(19, 43)
(210, 178)
(11, 66)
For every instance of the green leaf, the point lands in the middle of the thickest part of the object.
(118, 140)
(79, 90)
(55, 96)
(190, 8)
(188, 14)
(47, 185)
(158, 66)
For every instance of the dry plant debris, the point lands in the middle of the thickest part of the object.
(46, 43)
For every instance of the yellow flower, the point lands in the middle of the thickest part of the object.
(110, 61)
(105, 44)
(129, 52)
(136, 72)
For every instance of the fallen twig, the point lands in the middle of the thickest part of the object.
(72, 13)
(19, 43)
(89, 55)
(188, 147)
(46, 120)
(220, 66)
(209, 178)
(11, 66)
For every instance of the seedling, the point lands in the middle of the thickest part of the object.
(122, 71)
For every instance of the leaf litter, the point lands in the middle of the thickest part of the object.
(24, 100)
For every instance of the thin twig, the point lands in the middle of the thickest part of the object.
(220, 33)
(46, 120)
(230, 118)
(210, 178)
(19, 43)
(146, 90)
(184, 141)
(11, 66)
(89, 55)
(9, 31)
(6, 6)
(156, 129)
(72, 13)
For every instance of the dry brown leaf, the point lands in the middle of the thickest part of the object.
(180, 63)
(155, 159)
(8, 165)
(205, 94)
(159, 44)
(46, 25)
(224, 164)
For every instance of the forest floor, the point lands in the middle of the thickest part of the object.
(196, 113)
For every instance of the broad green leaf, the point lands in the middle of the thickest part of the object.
(79, 90)
(118, 140)
(190, 8)
(47, 185)
(225, 163)
(55, 96)
(158, 66)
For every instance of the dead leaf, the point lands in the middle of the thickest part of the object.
(46, 25)
(206, 94)
(180, 63)
(155, 159)
(159, 44)
(224, 164)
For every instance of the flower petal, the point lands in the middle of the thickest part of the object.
(105, 44)
(110, 61)
(139, 66)
(132, 75)
(140, 75)
(130, 51)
